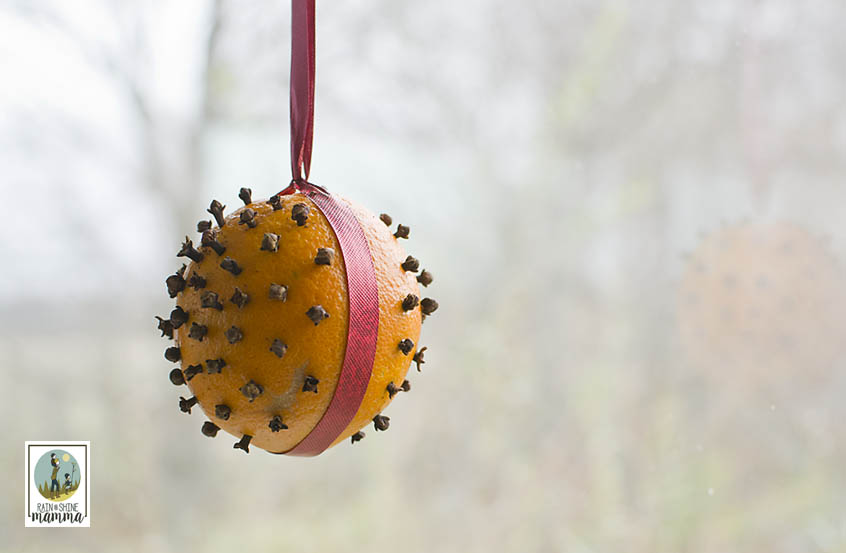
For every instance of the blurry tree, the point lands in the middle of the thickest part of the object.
(129, 88)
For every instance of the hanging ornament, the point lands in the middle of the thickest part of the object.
(297, 317)
(761, 304)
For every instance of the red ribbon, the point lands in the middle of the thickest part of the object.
(362, 289)
(363, 323)
(302, 87)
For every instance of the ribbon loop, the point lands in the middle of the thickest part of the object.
(302, 87)
(362, 289)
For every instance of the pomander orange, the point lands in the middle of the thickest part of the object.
(761, 301)
(262, 317)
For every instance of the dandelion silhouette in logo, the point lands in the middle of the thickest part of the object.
(57, 475)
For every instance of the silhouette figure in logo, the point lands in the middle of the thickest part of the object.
(66, 487)
(54, 484)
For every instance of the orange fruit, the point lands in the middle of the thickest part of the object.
(262, 317)
(762, 301)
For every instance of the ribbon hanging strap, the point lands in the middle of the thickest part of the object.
(302, 87)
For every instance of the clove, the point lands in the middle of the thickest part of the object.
(278, 292)
(239, 298)
(418, 357)
(210, 429)
(299, 213)
(222, 411)
(324, 256)
(176, 377)
(248, 217)
(251, 390)
(216, 209)
(386, 219)
(176, 282)
(270, 242)
(392, 390)
(229, 264)
(406, 386)
(166, 327)
(196, 282)
(246, 196)
(428, 306)
(316, 313)
(203, 226)
(192, 371)
(381, 422)
(275, 202)
(210, 300)
(173, 354)
(188, 250)
(209, 239)
(234, 335)
(402, 231)
(310, 384)
(357, 437)
(213, 366)
(410, 302)
(278, 347)
(244, 443)
(276, 424)
(425, 278)
(405, 346)
(410, 264)
(198, 332)
(178, 317)
(186, 404)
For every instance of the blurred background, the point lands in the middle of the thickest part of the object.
(633, 212)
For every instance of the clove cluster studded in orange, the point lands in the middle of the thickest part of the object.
(261, 320)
